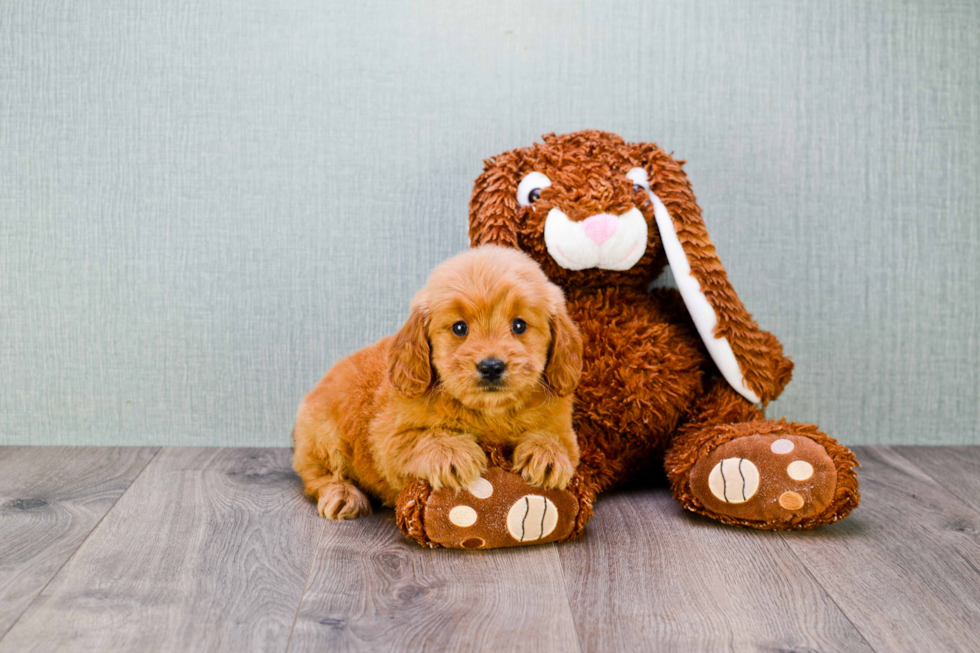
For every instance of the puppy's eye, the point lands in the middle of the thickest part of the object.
(529, 190)
(460, 328)
(518, 326)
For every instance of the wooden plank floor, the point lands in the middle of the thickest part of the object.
(215, 549)
(50, 500)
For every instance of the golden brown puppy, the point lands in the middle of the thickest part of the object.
(488, 354)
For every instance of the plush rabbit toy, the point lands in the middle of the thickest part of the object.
(673, 377)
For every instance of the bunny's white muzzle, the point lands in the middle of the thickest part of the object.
(604, 241)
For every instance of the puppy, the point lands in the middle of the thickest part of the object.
(488, 354)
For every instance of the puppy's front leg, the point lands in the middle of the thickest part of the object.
(443, 457)
(547, 459)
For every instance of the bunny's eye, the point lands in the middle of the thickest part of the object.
(460, 328)
(529, 190)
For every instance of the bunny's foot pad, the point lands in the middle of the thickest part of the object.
(498, 510)
(766, 479)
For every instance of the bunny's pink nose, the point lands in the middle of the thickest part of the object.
(600, 228)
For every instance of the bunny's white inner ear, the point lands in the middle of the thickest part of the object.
(698, 306)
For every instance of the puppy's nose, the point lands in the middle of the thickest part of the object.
(491, 369)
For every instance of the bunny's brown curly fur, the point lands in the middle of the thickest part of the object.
(649, 390)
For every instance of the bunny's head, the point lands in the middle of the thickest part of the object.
(596, 211)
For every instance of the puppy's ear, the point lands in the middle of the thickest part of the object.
(750, 359)
(494, 211)
(409, 357)
(565, 356)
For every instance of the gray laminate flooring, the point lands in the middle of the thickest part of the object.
(145, 549)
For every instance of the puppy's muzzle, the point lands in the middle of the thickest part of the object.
(491, 371)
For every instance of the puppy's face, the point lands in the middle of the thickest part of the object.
(489, 345)
(494, 330)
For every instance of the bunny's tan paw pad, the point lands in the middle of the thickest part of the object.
(498, 510)
(766, 479)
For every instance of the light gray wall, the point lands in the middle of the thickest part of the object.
(204, 205)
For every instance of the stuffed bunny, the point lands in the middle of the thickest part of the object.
(674, 377)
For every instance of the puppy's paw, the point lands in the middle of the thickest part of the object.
(449, 463)
(342, 500)
(544, 463)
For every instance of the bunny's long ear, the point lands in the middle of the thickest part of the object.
(750, 359)
(493, 205)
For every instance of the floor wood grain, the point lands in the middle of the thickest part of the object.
(371, 590)
(955, 468)
(215, 549)
(905, 567)
(648, 575)
(50, 500)
(210, 549)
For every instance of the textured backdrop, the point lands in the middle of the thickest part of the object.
(204, 205)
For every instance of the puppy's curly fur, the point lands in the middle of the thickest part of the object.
(415, 405)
